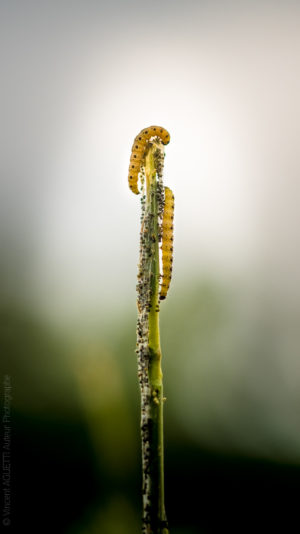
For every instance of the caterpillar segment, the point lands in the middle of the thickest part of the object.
(138, 152)
(167, 243)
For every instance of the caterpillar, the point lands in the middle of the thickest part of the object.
(138, 152)
(167, 243)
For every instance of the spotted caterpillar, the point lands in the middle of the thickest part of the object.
(167, 243)
(138, 151)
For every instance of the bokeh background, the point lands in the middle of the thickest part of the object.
(79, 79)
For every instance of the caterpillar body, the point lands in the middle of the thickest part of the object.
(138, 152)
(167, 243)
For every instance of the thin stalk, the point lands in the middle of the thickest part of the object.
(150, 372)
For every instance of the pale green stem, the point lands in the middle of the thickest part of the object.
(156, 445)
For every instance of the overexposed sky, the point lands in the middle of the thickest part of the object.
(80, 79)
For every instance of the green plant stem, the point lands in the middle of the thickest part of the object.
(158, 522)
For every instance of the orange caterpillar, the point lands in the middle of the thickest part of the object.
(138, 151)
(167, 243)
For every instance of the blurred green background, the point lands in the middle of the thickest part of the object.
(79, 81)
